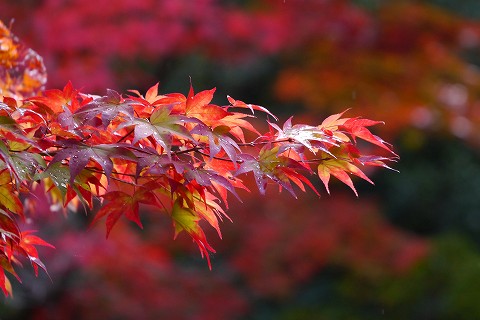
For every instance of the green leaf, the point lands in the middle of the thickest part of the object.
(59, 174)
(27, 164)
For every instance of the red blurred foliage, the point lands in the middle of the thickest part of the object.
(83, 42)
(271, 253)
(410, 71)
(281, 249)
(156, 287)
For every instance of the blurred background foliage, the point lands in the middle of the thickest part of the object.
(408, 248)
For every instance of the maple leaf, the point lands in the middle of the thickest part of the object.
(236, 124)
(68, 122)
(333, 121)
(5, 285)
(208, 178)
(57, 101)
(208, 114)
(311, 137)
(8, 227)
(14, 162)
(286, 173)
(272, 166)
(151, 96)
(196, 102)
(185, 219)
(27, 164)
(357, 128)
(8, 197)
(162, 126)
(262, 168)
(208, 207)
(57, 173)
(157, 164)
(8, 124)
(12, 131)
(250, 163)
(218, 141)
(199, 107)
(80, 154)
(27, 244)
(24, 114)
(339, 169)
(82, 189)
(175, 100)
(108, 107)
(125, 203)
(240, 104)
(225, 169)
(376, 161)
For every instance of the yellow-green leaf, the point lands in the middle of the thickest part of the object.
(184, 219)
(8, 198)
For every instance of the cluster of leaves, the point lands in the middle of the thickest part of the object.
(181, 155)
